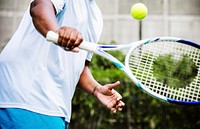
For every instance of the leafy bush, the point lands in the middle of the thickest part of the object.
(140, 112)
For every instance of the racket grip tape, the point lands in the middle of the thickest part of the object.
(52, 37)
(88, 46)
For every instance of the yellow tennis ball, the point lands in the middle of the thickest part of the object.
(139, 11)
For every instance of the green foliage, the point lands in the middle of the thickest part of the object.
(140, 112)
(104, 71)
(175, 73)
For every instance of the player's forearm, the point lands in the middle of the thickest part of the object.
(43, 16)
(87, 82)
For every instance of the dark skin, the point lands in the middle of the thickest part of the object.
(44, 19)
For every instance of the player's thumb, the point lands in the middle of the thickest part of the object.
(113, 85)
(76, 50)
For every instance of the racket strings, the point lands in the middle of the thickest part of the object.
(142, 60)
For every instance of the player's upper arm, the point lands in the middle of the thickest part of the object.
(37, 6)
(55, 5)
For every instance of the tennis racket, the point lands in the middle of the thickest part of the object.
(167, 68)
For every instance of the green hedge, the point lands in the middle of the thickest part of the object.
(140, 112)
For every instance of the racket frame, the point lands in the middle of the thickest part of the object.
(100, 50)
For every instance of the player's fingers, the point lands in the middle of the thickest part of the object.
(111, 104)
(72, 39)
(65, 39)
(64, 35)
(116, 95)
(79, 40)
(114, 85)
(119, 97)
(114, 110)
(69, 38)
(61, 34)
(76, 49)
(120, 106)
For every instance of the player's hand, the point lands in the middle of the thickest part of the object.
(109, 97)
(69, 38)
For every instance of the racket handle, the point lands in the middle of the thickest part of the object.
(52, 37)
(88, 46)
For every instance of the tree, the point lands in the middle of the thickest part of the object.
(140, 112)
(181, 74)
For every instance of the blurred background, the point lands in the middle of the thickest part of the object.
(179, 18)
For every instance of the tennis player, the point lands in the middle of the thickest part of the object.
(38, 79)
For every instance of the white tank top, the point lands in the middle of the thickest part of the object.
(39, 76)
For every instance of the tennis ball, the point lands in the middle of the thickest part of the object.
(139, 11)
